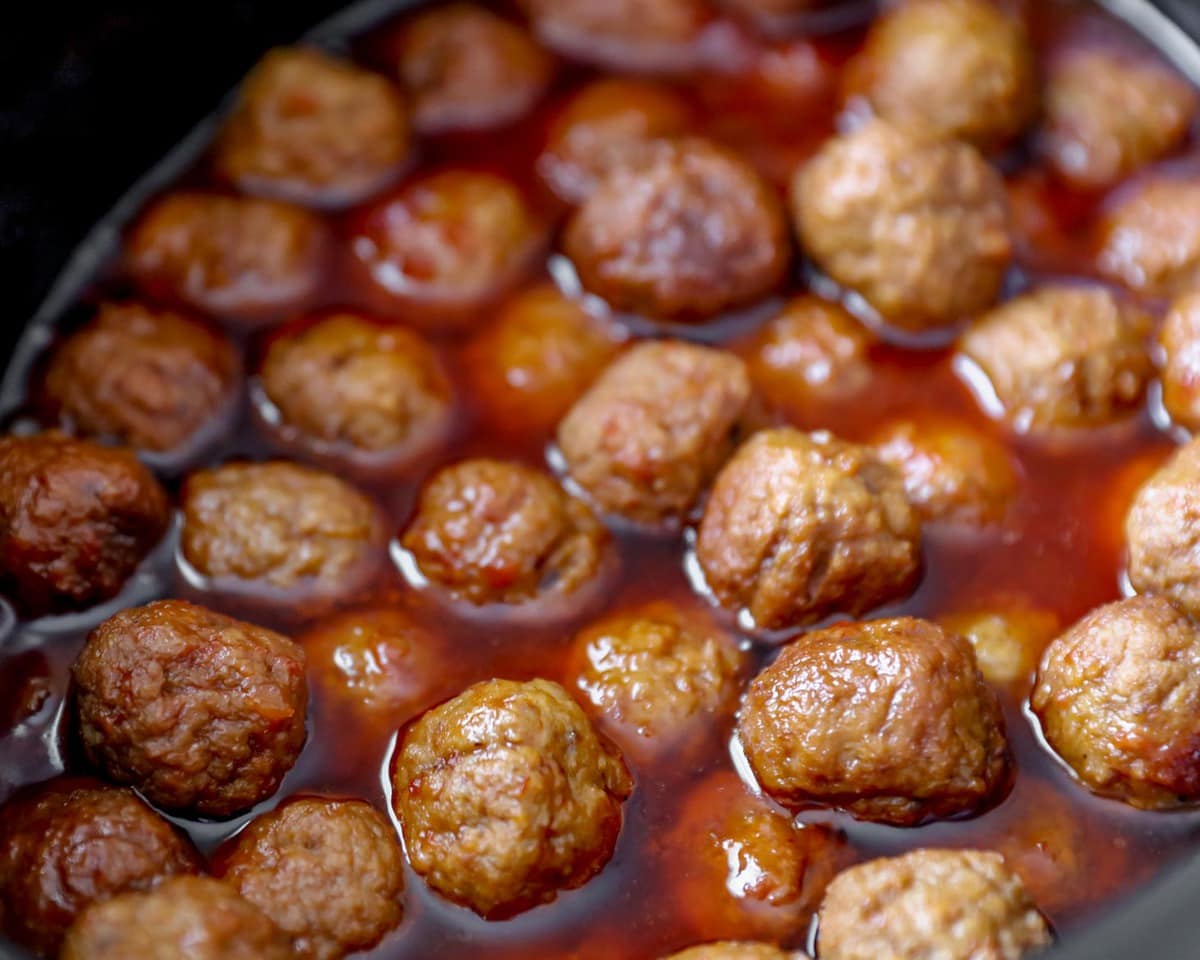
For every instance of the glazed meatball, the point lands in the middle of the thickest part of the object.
(802, 526)
(952, 904)
(649, 435)
(1109, 113)
(72, 842)
(202, 713)
(506, 795)
(953, 473)
(329, 873)
(917, 226)
(243, 260)
(346, 388)
(1118, 696)
(1150, 241)
(729, 950)
(1063, 357)
(186, 918)
(1008, 640)
(1180, 343)
(152, 379)
(951, 68)
(890, 720)
(314, 130)
(279, 527)
(492, 531)
(683, 231)
(76, 520)
(467, 69)
(606, 125)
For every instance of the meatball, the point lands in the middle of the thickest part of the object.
(952, 472)
(606, 125)
(657, 675)
(314, 130)
(492, 531)
(202, 713)
(800, 526)
(186, 918)
(1180, 343)
(1150, 240)
(465, 68)
(952, 904)
(152, 379)
(76, 519)
(1008, 640)
(957, 69)
(729, 950)
(1109, 112)
(1063, 357)
(916, 226)
(329, 873)
(506, 795)
(890, 720)
(244, 260)
(683, 231)
(349, 389)
(279, 528)
(445, 246)
(650, 433)
(72, 842)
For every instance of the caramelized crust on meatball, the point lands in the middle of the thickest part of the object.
(1150, 240)
(1179, 339)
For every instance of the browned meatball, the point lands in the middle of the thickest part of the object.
(917, 226)
(467, 69)
(152, 379)
(314, 130)
(1063, 357)
(506, 796)
(492, 531)
(329, 873)
(649, 435)
(605, 126)
(1179, 339)
(187, 918)
(1109, 112)
(950, 904)
(890, 720)
(1008, 639)
(730, 950)
(951, 68)
(682, 231)
(76, 519)
(355, 391)
(279, 527)
(801, 526)
(72, 842)
(1150, 240)
(201, 713)
(241, 259)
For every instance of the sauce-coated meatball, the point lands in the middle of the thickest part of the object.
(1180, 342)
(917, 226)
(682, 231)
(72, 842)
(202, 713)
(1063, 357)
(801, 526)
(736, 950)
(1008, 640)
(329, 873)
(890, 720)
(1150, 241)
(314, 130)
(649, 435)
(949, 904)
(506, 795)
(76, 519)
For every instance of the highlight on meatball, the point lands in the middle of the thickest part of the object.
(1179, 341)
(201, 713)
(76, 520)
(649, 435)
(1150, 239)
(506, 796)
(328, 873)
(1008, 639)
(944, 903)
(730, 950)
(801, 526)
(890, 720)
(314, 130)
(71, 842)
(1063, 358)
(919, 227)
(681, 232)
